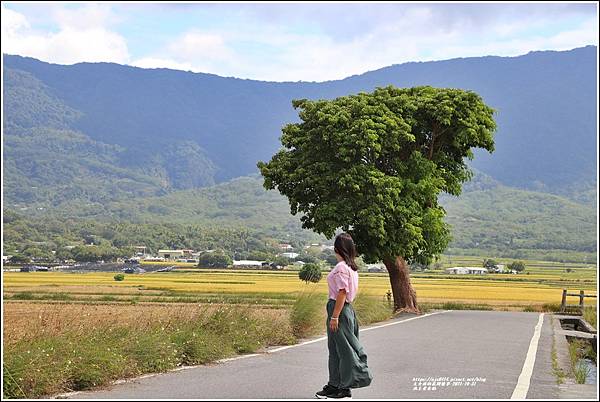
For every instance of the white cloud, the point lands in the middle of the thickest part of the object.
(92, 15)
(85, 41)
(586, 34)
(12, 22)
(197, 46)
(192, 51)
(307, 42)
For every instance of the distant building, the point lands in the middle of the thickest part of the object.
(248, 263)
(318, 246)
(171, 254)
(154, 259)
(285, 246)
(33, 268)
(192, 260)
(140, 250)
(467, 271)
(271, 265)
(376, 268)
(499, 268)
(290, 255)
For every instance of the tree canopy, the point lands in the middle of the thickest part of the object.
(310, 273)
(517, 266)
(374, 164)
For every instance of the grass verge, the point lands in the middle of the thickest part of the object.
(370, 310)
(427, 307)
(589, 314)
(78, 360)
(578, 351)
(308, 313)
(558, 372)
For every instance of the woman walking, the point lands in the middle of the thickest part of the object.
(347, 358)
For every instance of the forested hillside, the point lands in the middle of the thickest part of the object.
(193, 130)
(100, 144)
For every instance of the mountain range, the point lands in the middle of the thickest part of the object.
(86, 137)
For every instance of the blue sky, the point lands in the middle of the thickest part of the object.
(289, 41)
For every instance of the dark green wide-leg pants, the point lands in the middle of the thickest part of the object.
(347, 358)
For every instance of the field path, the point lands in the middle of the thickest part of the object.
(496, 355)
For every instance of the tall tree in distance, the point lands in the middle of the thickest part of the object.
(374, 164)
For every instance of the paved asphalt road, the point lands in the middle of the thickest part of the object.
(486, 350)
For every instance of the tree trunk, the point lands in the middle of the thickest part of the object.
(405, 297)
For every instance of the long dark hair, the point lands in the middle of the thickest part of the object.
(344, 246)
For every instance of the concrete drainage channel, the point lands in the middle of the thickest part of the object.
(573, 336)
(581, 332)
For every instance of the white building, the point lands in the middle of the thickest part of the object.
(247, 263)
(290, 255)
(467, 270)
(497, 269)
(192, 260)
(376, 268)
(174, 254)
(154, 259)
(318, 246)
(170, 254)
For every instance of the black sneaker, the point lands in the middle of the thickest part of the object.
(340, 394)
(327, 390)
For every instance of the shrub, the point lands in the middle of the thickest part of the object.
(517, 266)
(119, 277)
(310, 273)
(214, 260)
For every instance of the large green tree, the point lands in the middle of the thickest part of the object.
(310, 273)
(214, 260)
(373, 164)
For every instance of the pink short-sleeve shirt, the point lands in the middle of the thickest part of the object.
(342, 277)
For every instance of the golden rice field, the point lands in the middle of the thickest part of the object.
(540, 286)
